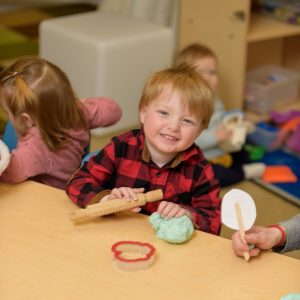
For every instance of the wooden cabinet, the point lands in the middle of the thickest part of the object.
(241, 40)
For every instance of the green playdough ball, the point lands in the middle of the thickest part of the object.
(291, 297)
(174, 230)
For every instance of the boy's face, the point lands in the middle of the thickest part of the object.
(169, 127)
(207, 67)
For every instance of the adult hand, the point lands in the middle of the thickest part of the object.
(263, 238)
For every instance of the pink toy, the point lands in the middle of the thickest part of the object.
(281, 118)
(294, 141)
(289, 134)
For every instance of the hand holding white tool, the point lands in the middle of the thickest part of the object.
(238, 211)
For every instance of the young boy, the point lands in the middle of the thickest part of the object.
(176, 105)
(205, 62)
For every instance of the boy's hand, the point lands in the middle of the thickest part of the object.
(169, 210)
(126, 193)
(223, 135)
(263, 238)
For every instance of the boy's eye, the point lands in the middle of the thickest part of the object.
(163, 112)
(188, 121)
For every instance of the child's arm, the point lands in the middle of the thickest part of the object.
(87, 185)
(30, 158)
(281, 238)
(208, 138)
(101, 111)
(206, 203)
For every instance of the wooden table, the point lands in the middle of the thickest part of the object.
(43, 255)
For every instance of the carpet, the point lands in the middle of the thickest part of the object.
(288, 190)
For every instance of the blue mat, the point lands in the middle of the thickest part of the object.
(290, 191)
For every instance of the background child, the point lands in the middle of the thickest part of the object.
(205, 63)
(175, 106)
(51, 123)
(281, 238)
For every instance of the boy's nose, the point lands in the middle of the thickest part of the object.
(174, 124)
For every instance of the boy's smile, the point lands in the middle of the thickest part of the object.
(168, 137)
(169, 126)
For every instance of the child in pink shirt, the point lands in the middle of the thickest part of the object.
(51, 123)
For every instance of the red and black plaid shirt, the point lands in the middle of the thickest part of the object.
(188, 180)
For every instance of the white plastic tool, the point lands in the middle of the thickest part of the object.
(238, 211)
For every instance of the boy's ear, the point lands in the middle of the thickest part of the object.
(27, 120)
(142, 115)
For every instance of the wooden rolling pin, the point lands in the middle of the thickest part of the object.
(113, 206)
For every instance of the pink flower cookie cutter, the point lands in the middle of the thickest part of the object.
(133, 256)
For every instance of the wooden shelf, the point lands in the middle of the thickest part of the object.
(264, 28)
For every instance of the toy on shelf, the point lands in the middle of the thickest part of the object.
(133, 256)
(287, 11)
(289, 131)
(113, 206)
(4, 157)
(264, 135)
(281, 118)
(224, 160)
(270, 86)
(238, 212)
(256, 152)
(235, 122)
(279, 174)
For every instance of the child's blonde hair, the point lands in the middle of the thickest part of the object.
(194, 91)
(43, 91)
(191, 53)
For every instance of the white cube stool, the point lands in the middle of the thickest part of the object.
(107, 55)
